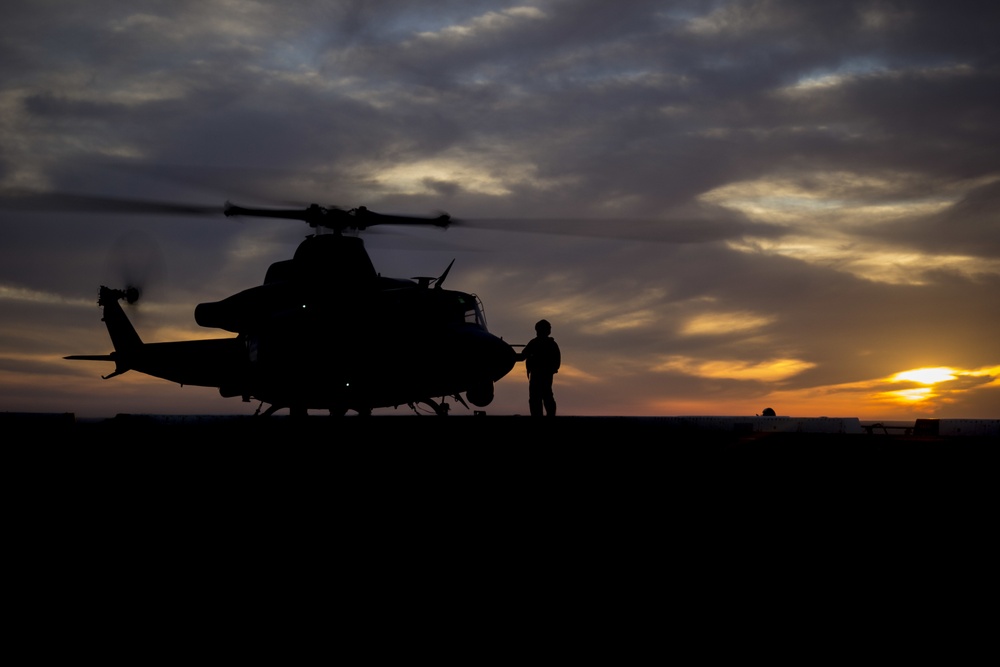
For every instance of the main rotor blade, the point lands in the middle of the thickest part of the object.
(74, 203)
(679, 231)
(335, 218)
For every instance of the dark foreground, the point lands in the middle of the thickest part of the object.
(487, 527)
(482, 429)
(473, 445)
(322, 476)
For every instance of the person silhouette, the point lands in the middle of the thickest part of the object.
(542, 359)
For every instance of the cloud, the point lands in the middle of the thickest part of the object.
(485, 25)
(716, 204)
(770, 370)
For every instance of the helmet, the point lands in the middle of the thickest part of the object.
(542, 327)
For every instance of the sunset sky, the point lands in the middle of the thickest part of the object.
(721, 206)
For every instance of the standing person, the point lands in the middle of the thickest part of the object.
(542, 358)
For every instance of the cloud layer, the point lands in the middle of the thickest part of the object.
(720, 206)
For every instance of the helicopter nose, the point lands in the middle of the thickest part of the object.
(492, 356)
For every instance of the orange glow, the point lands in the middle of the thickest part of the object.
(891, 397)
(909, 395)
(926, 375)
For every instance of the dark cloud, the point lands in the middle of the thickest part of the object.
(673, 184)
(970, 227)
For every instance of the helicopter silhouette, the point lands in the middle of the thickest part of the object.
(325, 331)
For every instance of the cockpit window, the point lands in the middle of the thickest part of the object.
(439, 306)
(472, 316)
(474, 311)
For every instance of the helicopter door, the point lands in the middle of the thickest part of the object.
(252, 348)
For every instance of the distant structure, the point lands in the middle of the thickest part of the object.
(768, 412)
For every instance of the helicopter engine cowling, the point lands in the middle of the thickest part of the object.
(243, 310)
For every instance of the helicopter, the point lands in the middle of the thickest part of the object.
(326, 331)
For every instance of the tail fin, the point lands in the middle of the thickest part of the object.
(123, 335)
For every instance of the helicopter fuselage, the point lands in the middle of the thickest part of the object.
(325, 331)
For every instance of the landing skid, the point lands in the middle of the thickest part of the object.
(302, 412)
(271, 409)
(440, 409)
(429, 406)
(294, 411)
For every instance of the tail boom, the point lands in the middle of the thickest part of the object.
(206, 363)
